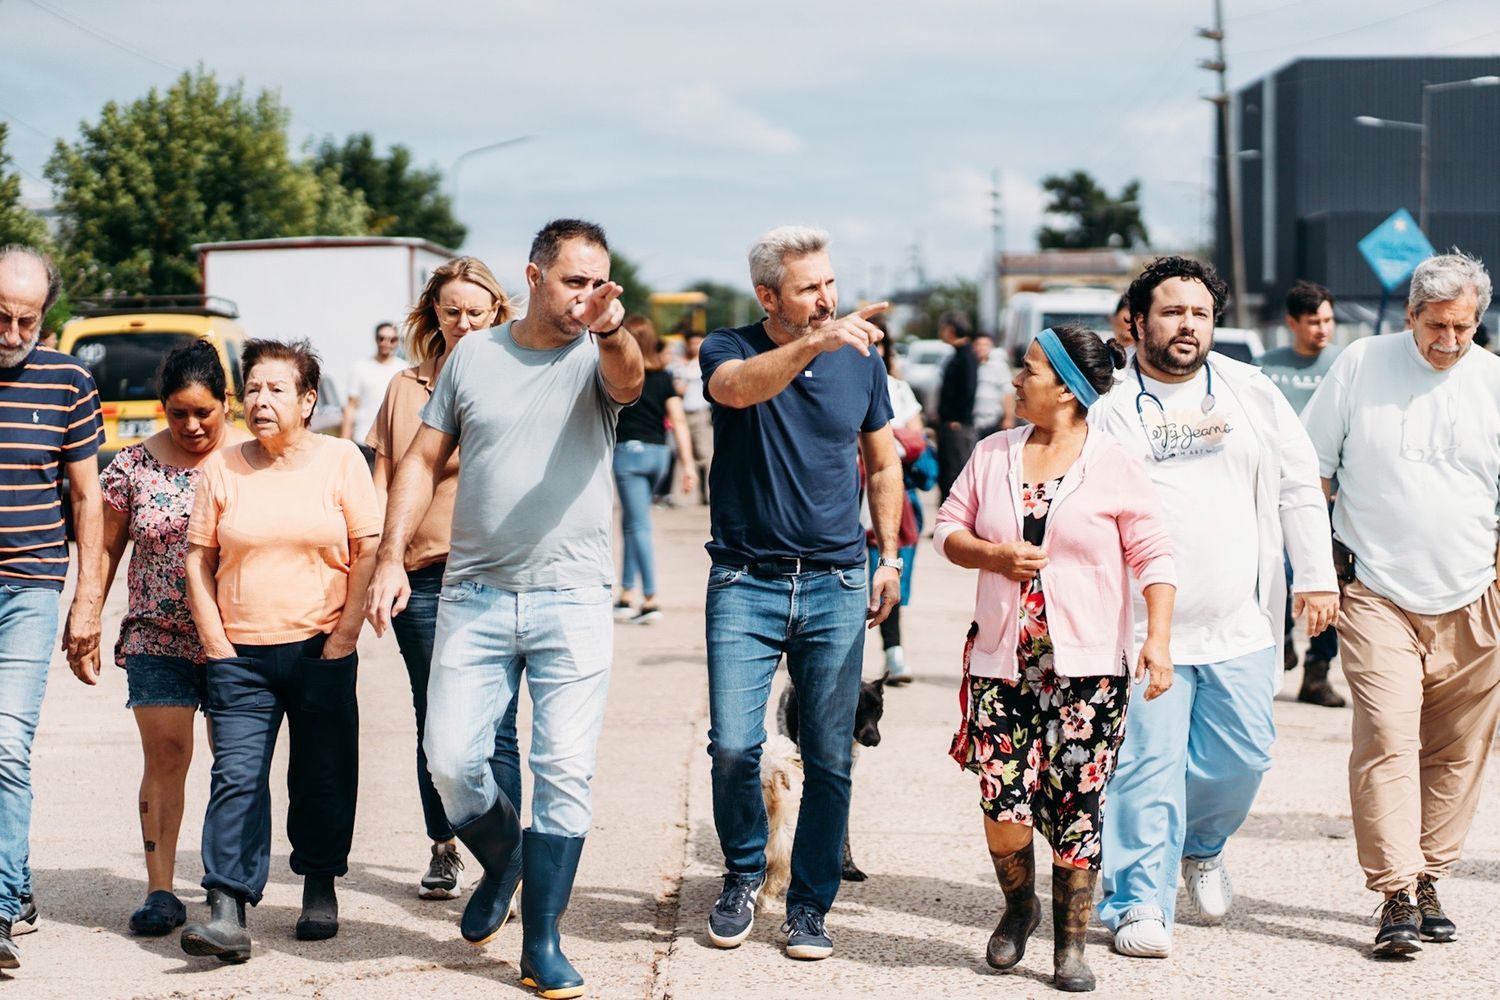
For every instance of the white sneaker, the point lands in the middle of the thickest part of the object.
(1208, 886)
(1143, 933)
(896, 671)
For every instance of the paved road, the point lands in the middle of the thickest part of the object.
(917, 928)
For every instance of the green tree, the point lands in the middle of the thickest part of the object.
(18, 224)
(198, 163)
(934, 300)
(624, 272)
(403, 201)
(727, 305)
(1098, 219)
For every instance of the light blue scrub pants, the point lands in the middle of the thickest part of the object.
(1188, 772)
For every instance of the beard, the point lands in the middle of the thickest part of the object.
(1159, 354)
(800, 330)
(11, 357)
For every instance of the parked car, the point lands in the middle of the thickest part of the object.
(923, 371)
(121, 341)
(1239, 344)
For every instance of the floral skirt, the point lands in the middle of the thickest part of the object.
(1044, 746)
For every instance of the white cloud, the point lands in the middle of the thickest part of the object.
(703, 113)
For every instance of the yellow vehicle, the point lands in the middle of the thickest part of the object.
(674, 313)
(122, 342)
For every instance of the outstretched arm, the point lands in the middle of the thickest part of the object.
(743, 383)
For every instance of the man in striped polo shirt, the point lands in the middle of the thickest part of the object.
(49, 421)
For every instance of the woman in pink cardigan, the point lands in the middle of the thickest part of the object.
(1052, 507)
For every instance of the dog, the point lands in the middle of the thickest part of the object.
(781, 783)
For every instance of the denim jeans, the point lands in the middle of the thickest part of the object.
(1187, 775)
(415, 628)
(28, 630)
(486, 637)
(247, 696)
(638, 468)
(817, 619)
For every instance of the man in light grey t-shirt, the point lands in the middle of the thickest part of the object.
(533, 405)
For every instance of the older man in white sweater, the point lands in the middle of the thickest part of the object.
(1410, 426)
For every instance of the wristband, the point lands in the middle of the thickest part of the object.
(606, 334)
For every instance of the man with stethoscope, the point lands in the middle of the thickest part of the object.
(1237, 478)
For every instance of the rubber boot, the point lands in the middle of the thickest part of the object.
(1017, 875)
(551, 864)
(224, 935)
(320, 909)
(494, 838)
(1072, 903)
(1315, 687)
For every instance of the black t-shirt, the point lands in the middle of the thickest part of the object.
(785, 476)
(960, 384)
(645, 419)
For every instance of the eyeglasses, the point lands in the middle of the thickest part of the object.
(453, 314)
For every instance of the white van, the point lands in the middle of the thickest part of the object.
(1029, 313)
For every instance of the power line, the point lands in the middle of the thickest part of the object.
(73, 21)
(1337, 34)
(1265, 10)
(26, 125)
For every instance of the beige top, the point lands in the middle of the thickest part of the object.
(396, 424)
(283, 538)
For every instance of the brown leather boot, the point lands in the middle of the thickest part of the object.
(1017, 875)
(1315, 687)
(1072, 902)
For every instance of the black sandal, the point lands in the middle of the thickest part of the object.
(160, 914)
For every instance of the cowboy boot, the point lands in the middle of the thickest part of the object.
(1017, 876)
(1072, 902)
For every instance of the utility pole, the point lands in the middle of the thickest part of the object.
(1228, 160)
(997, 226)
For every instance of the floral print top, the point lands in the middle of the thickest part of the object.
(157, 498)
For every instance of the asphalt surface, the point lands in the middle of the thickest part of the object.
(1301, 924)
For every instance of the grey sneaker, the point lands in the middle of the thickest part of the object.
(733, 915)
(10, 955)
(806, 937)
(444, 878)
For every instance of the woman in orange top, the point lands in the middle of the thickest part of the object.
(461, 296)
(283, 537)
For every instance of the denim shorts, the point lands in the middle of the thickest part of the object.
(161, 681)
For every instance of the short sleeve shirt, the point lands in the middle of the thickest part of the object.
(49, 416)
(157, 500)
(283, 538)
(1297, 375)
(535, 504)
(785, 477)
(395, 428)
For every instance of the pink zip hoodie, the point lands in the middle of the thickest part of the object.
(1103, 524)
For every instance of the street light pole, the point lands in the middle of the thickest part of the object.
(458, 160)
(1229, 160)
(1424, 128)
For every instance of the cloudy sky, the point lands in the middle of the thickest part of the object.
(687, 128)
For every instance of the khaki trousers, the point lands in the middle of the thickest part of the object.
(1426, 692)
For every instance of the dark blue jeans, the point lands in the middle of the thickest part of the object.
(817, 620)
(414, 630)
(248, 695)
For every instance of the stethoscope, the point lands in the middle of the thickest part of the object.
(1208, 397)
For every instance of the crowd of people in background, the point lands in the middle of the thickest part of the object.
(1149, 521)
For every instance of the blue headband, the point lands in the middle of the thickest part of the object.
(1067, 371)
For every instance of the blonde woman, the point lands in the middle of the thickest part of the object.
(461, 296)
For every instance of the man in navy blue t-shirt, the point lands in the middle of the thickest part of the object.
(798, 399)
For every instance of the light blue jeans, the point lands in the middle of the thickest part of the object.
(28, 629)
(1188, 772)
(486, 637)
(639, 466)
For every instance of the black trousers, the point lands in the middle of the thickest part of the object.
(955, 445)
(248, 695)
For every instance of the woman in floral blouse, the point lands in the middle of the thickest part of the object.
(1057, 520)
(148, 495)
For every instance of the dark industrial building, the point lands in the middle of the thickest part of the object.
(1313, 181)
